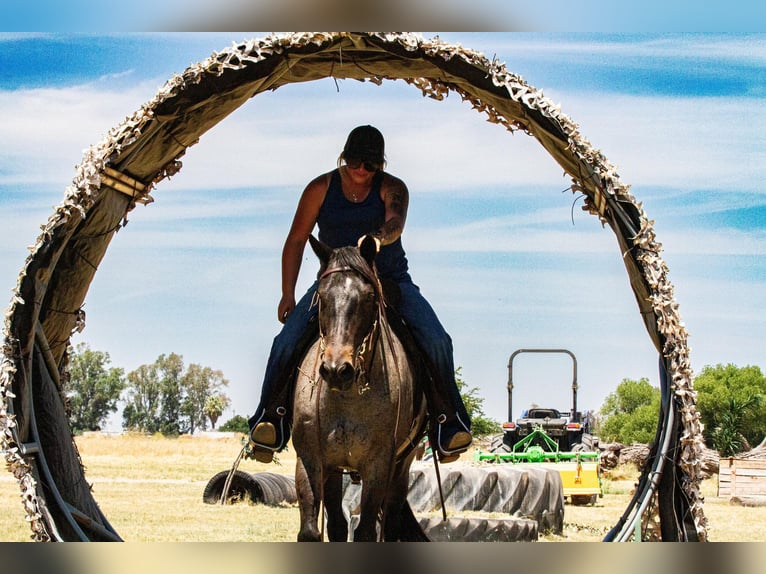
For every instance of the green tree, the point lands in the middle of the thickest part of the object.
(92, 388)
(214, 407)
(143, 400)
(163, 397)
(198, 384)
(237, 423)
(727, 435)
(631, 412)
(481, 425)
(731, 404)
(170, 369)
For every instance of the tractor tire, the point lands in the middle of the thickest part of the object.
(480, 529)
(497, 444)
(584, 499)
(517, 490)
(280, 488)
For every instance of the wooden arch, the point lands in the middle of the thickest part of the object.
(134, 157)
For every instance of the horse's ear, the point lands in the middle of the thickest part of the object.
(368, 247)
(322, 251)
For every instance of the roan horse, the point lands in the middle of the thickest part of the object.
(357, 407)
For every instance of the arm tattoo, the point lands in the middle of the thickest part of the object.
(397, 200)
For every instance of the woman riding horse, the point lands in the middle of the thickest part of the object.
(359, 408)
(355, 200)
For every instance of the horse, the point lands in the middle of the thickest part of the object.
(358, 407)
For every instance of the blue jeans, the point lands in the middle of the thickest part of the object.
(426, 329)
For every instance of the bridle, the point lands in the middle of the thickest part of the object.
(368, 342)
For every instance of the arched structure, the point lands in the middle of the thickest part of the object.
(122, 169)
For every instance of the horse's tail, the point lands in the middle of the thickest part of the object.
(411, 530)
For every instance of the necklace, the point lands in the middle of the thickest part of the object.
(354, 196)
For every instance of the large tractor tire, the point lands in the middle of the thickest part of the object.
(479, 529)
(517, 490)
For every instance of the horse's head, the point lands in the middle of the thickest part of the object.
(349, 296)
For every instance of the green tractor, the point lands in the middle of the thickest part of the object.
(567, 429)
(549, 437)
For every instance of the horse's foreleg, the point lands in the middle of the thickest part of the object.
(375, 483)
(337, 527)
(307, 489)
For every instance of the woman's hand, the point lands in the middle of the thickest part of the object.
(285, 307)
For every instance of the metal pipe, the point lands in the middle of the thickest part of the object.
(573, 413)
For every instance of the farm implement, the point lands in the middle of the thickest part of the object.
(579, 470)
(546, 437)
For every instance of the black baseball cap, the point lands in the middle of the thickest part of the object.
(365, 143)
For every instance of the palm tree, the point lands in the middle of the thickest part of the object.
(214, 407)
(727, 435)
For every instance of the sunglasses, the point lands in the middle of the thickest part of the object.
(355, 162)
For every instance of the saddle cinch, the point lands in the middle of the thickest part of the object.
(418, 360)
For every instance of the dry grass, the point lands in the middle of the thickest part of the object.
(150, 488)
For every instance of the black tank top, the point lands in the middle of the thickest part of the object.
(342, 222)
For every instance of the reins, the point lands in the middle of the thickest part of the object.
(368, 342)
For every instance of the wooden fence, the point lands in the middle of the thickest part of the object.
(742, 477)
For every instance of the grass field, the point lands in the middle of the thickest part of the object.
(150, 489)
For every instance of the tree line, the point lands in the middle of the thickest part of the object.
(165, 396)
(170, 398)
(730, 401)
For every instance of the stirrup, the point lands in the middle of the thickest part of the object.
(265, 439)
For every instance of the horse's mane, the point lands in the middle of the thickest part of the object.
(352, 257)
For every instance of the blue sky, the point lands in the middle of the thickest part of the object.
(496, 241)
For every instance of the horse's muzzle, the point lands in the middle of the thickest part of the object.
(339, 375)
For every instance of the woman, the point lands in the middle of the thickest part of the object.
(357, 199)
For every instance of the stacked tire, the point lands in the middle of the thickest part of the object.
(526, 491)
(266, 488)
(528, 499)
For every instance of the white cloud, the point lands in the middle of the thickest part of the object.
(509, 239)
(287, 137)
(713, 242)
(433, 146)
(44, 131)
(681, 143)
